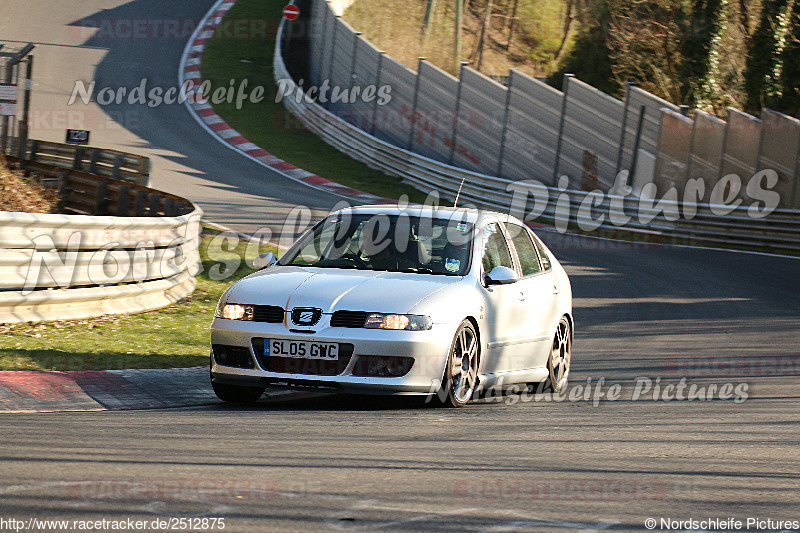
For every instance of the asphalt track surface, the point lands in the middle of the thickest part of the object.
(341, 463)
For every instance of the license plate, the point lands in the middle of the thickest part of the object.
(327, 351)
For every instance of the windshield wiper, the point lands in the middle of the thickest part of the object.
(351, 267)
(415, 270)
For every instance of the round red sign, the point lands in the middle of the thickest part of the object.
(291, 12)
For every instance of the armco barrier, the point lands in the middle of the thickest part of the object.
(61, 266)
(780, 231)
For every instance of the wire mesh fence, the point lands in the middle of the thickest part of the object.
(15, 83)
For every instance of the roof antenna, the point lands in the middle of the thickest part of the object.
(455, 203)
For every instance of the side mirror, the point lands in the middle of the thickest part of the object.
(265, 260)
(501, 275)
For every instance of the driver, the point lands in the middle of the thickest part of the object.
(383, 259)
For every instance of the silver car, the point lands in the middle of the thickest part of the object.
(377, 299)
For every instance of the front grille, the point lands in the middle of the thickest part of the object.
(311, 367)
(349, 319)
(268, 313)
(382, 366)
(236, 356)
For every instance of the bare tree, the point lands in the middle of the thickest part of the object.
(644, 45)
(744, 21)
(458, 29)
(512, 22)
(430, 13)
(483, 36)
(569, 16)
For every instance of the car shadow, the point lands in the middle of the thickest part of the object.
(329, 402)
(315, 401)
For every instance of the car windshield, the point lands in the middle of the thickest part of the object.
(391, 243)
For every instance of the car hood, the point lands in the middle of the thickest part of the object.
(337, 289)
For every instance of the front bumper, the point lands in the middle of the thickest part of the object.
(427, 348)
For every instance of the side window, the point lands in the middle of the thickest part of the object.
(528, 260)
(495, 249)
(543, 255)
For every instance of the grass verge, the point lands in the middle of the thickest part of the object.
(238, 51)
(175, 336)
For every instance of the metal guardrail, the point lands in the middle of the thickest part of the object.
(780, 231)
(98, 161)
(70, 266)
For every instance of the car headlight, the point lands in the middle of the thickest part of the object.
(410, 322)
(235, 312)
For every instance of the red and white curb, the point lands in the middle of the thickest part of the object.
(206, 116)
(37, 391)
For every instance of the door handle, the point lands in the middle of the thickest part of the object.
(522, 296)
(556, 290)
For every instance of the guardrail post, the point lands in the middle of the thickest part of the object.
(63, 191)
(22, 141)
(377, 86)
(169, 207)
(77, 162)
(144, 172)
(353, 75)
(724, 144)
(141, 203)
(100, 198)
(333, 54)
(93, 161)
(285, 35)
(122, 200)
(4, 119)
(455, 116)
(117, 164)
(567, 77)
(628, 85)
(413, 124)
(796, 181)
(639, 126)
(34, 150)
(505, 123)
(321, 44)
(692, 139)
(154, 205)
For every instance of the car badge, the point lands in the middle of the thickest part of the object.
(306, 316)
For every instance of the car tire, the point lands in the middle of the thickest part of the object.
(461, 370)
(560, 357)
(237, 394)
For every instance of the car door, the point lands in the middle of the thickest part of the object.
(504, 305)
(539, 287)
